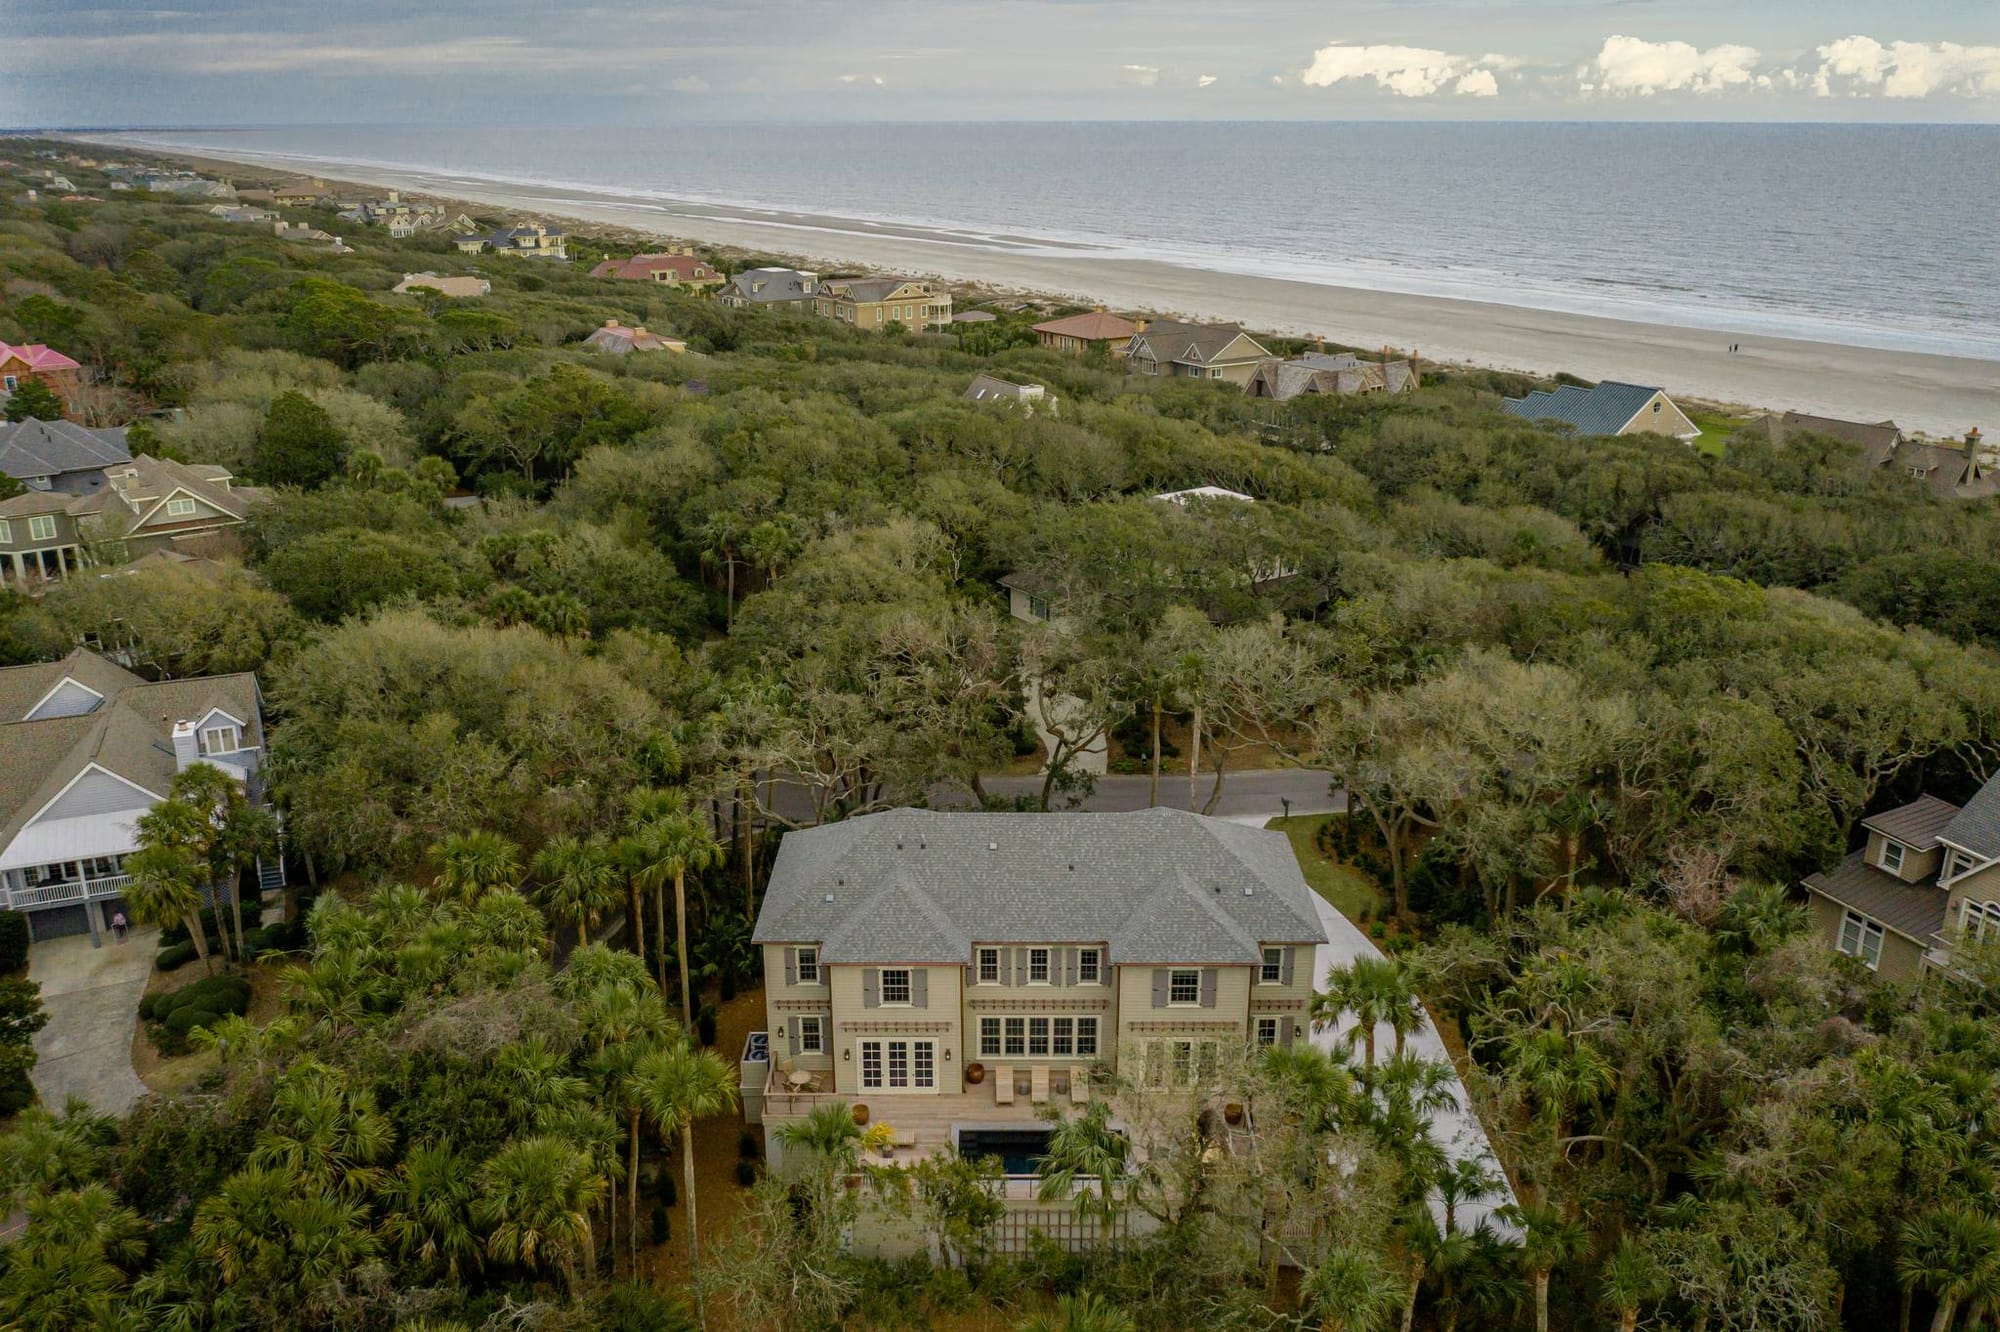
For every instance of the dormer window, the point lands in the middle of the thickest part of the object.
(180, 508)
(222, 738)
(1892, 856)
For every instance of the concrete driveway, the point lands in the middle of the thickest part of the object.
(92, 996)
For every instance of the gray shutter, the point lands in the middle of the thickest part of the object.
(792, 1027)
(1285, 1027)
(920, 987)
(1208, 987)
(1020, 966)
(1159, 987)
(791, 966)
(871, 988)
(1285, 973)
(1062, 967)
(1006, 965)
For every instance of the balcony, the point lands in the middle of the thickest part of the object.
(70, 890)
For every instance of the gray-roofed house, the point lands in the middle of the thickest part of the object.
(60, 455)
(1927, 875)
(1333, 374)
(86, 747)
(873, 303)
(1028, 397)
(1611, 408)
(770, 288)
(947, 969)
(1168, 347)
(533, 240)
(1877, 440)
(146, 504)
(1952, 472)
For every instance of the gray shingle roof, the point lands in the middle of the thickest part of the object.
(918, 886)
(1915, 910)
(1917, 824)
(32, 449)
(760, 286)
(1170, 340)
(1976, 828)
(1604, 410)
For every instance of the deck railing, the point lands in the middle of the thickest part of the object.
(69, 890)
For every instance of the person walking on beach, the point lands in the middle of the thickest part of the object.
(118, 925)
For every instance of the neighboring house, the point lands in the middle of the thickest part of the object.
(619, 340)
(60, 455)
(1181, 497)
(300, 194)
(762, 287)
(1098, 330)
(529, 241)
(239, 213)
(33, 360)
(1927, 877)
(674, 268)
(1169, 348)
(1609, 409)
(186, 183)
(1335, 374)
(874, 303)
(1028, 397)
(457, 287)
(1877, 441)
(299, 231)
(952, 972)
(1953, 472)
(146, 504)
(86, 747)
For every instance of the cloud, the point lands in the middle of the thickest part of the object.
(1407, 71)
(1635, 67)
(690, 83)
(1145, 76)
(1204, 80)
(1906, 69)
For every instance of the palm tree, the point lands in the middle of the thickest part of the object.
(1561, 1071)
(430, 1210)
(1953, 1251)
(1631, 1278)
(184, 830)
(1375, 990)
(238, 832)
(1319, 1085)
(676, 1085)
(1081, 1312)
(829, 1133)
(1082, 1147)
(70, 1263)
(472, 864)
(1548, 1238)
(325, 1130)
(238, 1224)
(625, 1023)
(672, 842)
(1351, 1291)
(1462, 1181)
(535, 1199)
(48, 1153)
(579, 880)
(166, 890)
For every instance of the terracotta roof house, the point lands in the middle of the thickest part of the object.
(1926, 877)
(24, 361)
(1337, 374)
(457, 287)
(1096, 330)
(528, 241)
(86, 747)
(759, 287)
(1169, 348)
(958, 972)
(676, 268)
(874, 303)
(60, 455)
(1609, 409)
(620, 340)
(1028, 397)
(145, 504)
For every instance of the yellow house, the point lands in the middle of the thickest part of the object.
(874, 303)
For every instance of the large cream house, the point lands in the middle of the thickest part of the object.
(873, 303)
(951, 971)
(1927, 877)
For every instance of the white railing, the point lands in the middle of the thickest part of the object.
(69, 890)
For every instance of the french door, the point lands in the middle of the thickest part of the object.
(898, 1065)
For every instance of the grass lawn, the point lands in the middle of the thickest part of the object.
(1351, 892)
(1715, 427)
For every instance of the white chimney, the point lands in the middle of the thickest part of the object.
(187, 746)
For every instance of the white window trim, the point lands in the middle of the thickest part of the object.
(42, 527)
(882, 987)
(1172, 975)
(1096, 957)
(883, 1048)
(208, 748)
(1271, 961)
(1976, 920)
(980, 969)
(1864, 930)
(1263, 1023)
(815, 1043)
(180, 506)
(818, 976)
(1888, 846)
(1045, 957)
(995, 1045)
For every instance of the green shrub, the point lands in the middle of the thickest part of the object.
(13, 942)
(628, 1307)
(746, 1173)
(175, 957)
(1378, 930)
(184, 1020)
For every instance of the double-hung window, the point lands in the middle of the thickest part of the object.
(1017, 1039)
(808, 966)
(42, 527)
(1038, 966)
(1978, 920)
(989, 1037)
(221, 738)
(1089, 964)
(1184, 987)
(1273, 969)
(1086, 1036)
(895, 985)
(1038, 1036)
(1892, 856)
(989, 966)
(180, 508)
(1861, 937)
(812, 1038)
(1267, 1031)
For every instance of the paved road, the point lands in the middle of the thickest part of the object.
(92, 998)
(1253, 791)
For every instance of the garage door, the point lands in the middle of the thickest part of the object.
(59, 922)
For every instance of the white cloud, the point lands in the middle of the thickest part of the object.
(1906, 69)
(690, 83)
(1204, 80)
(1407, 71)
(1146, 76)
(1635, 67)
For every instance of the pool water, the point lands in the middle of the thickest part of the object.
(1018, 1149)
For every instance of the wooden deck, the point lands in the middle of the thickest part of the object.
(927, 1118)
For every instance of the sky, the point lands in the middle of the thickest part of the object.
(633, 63)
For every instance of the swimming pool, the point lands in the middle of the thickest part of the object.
(1017, 1148)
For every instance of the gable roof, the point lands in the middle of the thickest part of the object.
(1913, 910)
(36, 356)
(987, 388)
(1091, 326)
(1976, 828)
(640, 267)
(21, 687)
(1950, 471)
(867, 291)
(140, 488)
(1193, 344)
(32, 450)
(1604, 410)
(1916, 825)
(1877, 441)
(1158, 886)
(770, 284)
(615, 337)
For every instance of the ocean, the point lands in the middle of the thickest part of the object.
(1867, 235)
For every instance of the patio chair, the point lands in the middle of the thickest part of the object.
(1003, 1085)
(1079, 1084)
(1038, 1084)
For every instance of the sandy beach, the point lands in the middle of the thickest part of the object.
(1940, 395)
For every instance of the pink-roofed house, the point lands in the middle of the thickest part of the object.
(673, 268)
(24, 361)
